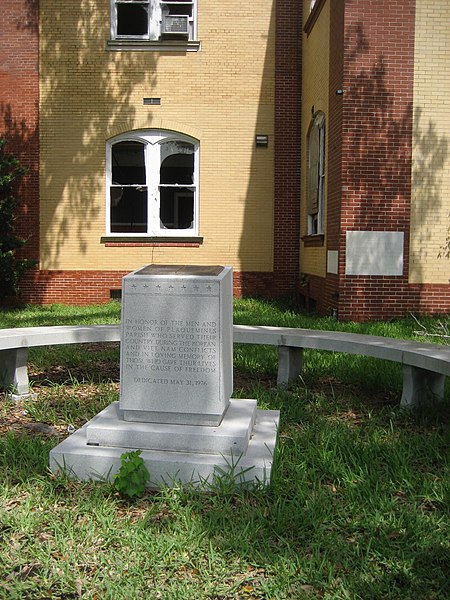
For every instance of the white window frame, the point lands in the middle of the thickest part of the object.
(152, 140)
(316, 218)
(156, 10)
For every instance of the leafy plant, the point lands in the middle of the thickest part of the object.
(11, 267)
(132, 476)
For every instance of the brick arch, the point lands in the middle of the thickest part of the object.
(129, 125)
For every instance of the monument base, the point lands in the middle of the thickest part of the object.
(230, 437)
(253, 432)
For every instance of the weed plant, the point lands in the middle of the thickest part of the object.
(358, 506)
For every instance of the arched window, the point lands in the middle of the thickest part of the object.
(316, 174)
(152, 184)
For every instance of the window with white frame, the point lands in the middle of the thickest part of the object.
(153, 20)
(316, 174)
(152, 184)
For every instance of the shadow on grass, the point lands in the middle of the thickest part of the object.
(56, 365)
(354, 508)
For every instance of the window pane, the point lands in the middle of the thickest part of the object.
(180, 9)
(132, 19)
(313, 170)
(128, 163)
(177, 163)
(178, 168)
(128, 209)
(176, 208)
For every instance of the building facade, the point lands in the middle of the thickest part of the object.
(375, 113)
(304, 143)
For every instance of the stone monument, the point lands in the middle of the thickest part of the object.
(176, 380)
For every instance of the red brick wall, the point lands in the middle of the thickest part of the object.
(70, 287)
(19, 100)
(91, 287)
(254, 284)
(369, 150)
(287, 146)
(373, 298)
(369, 155)
(376, 145)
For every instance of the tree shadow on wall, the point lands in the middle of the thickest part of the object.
(444, 250)
(382, 161)
(18, 114)
(22, 141)
(430, 157)
(29, 20)
(87, 94)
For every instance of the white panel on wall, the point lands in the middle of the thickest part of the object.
(374, 253)
(332, 261)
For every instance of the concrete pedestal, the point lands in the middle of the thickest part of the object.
(79, 460)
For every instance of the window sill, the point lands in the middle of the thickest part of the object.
(139, 241)
(124, 45)
(313, 241)
(313, 16)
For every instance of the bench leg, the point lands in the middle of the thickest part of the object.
(421, 386)
(290, 362)
(14, 371)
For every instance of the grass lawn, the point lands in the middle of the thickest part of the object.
(358, 508)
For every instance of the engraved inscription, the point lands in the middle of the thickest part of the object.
(170, 352)
(176, 347)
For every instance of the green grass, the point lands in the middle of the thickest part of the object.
(60, 314)
(358, 508)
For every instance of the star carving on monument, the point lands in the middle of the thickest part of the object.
(209, 288)
(196, 288)
(158, 287)
(134, 286)
(170, 287)
(145, 286)
(183, 287)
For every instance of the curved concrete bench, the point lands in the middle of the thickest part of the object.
(425, 366)
(14, 344)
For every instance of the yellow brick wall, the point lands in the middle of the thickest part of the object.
(222, 95)
(314, 94)
(430, 211)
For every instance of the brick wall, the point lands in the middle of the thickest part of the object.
(19, 85)
(369, 154)
(225, 115)
(314, 99)
(391, 61)
(330, 290)
(430, 207)
(376, 145)
(287, 146)
(91, 287)
(222, 95)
